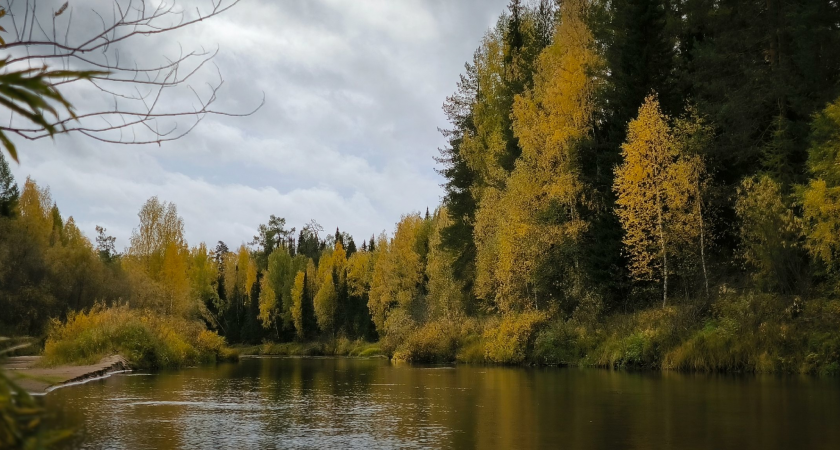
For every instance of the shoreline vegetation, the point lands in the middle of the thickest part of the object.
(625, 186)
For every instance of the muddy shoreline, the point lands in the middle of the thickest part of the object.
(24, 371)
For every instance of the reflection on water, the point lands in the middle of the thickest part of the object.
(361, 403)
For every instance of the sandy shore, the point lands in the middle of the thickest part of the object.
(39, 380)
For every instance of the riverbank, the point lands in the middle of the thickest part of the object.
(340, 347)
(736, 333)
(147, 340)
(26, 372)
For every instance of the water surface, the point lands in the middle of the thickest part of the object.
(371, 404)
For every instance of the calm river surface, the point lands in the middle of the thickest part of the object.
(369, 403)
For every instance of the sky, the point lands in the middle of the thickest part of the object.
(347, 135)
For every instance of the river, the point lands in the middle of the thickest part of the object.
(370, 404)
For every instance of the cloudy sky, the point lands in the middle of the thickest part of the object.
(347, 136)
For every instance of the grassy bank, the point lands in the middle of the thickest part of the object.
(145, 339)
(745, 333)
(339, 347)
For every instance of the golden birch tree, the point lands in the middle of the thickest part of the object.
(643, 183)
(539, 211)
(325, 305)
(34, 205)
(268, 302)
(821, 197)
(398, 272)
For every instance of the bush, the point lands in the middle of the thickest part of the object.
(431, 343)
(763, 333)
(145, 339)
(563, 343)
(510, 341)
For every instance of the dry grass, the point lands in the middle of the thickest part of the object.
(145, 339)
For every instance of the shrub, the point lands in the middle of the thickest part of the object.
(145, 339)
(509, 342)
(562, 343)
(433, 342)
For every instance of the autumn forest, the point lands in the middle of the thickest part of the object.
(646, 183)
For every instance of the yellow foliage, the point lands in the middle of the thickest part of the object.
(398, 271)
(311, 277)
(175, 281)
(34, 205)
(339, 262)
(821, 210)
(249, 266)
(821, 198)
(229, 264)
(483, 149)
(325, 305)
(146, 339)
(509, 341)
(159, 227)
(641, 185)
(359, 272)
(268, 302)
(550, 120)
(660, 188)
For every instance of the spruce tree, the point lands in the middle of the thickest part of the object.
(9, 193)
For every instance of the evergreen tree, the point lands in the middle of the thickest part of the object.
(105, 245)
(309, 241)
(9, 192)
(759, 70)
(351, 246)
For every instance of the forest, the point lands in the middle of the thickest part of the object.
(637, 184)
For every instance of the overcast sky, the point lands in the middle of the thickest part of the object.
(347, 135)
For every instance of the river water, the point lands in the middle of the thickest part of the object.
(369, 404)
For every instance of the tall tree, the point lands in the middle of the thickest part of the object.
(309, 240)
(105, 245)
(9, 192)
(760, 69)
(298, 299)
(529, 234)
(821, 197)
(656, 186)
(271, 236)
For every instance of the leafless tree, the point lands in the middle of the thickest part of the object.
(123, 100)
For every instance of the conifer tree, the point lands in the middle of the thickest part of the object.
(9, 192)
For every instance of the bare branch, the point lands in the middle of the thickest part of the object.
(143, 97)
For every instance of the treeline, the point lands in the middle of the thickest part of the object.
(608, 156)
(279, 287)
(636, 183)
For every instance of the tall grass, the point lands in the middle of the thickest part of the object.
(738, 332)
(339, 347)
(145, 339)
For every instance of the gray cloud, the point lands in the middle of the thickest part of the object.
(347, 135)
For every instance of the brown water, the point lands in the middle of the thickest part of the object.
(370, 404)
